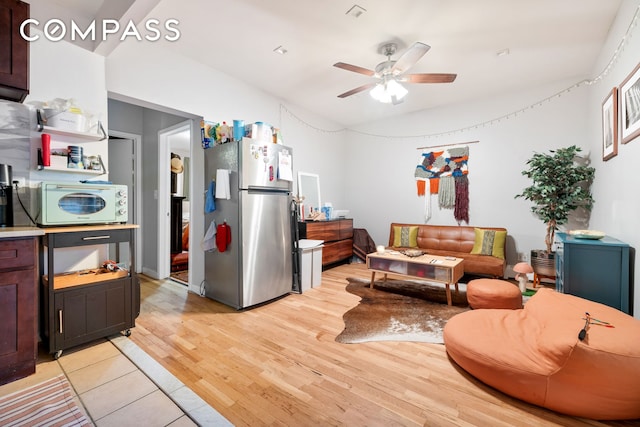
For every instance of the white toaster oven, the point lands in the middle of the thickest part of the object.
(70, 203)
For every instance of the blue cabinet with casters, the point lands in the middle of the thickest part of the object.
(594, 269)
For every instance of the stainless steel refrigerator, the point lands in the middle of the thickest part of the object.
(256, 266)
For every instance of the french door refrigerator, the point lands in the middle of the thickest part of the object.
(256, 265)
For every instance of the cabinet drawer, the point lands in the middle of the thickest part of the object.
(17, 253)
(328, 231)
(85, 238)
(346, 229)
(337, 251)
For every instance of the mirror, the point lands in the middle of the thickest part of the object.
(309, 187)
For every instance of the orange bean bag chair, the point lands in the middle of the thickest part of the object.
(534, 354)
(493, 293)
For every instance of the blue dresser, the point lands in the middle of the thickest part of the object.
(597, 270)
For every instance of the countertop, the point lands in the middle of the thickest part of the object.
(13, 232)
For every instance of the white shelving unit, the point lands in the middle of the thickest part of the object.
(73, 137)
(88, 136)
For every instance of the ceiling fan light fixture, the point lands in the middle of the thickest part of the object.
(388, 91)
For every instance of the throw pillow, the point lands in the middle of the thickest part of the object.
(489, 242)
(405, 236)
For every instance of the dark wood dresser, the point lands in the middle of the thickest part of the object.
(337, 235)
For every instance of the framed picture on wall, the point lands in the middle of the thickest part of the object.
(610, 125)
(630, 106)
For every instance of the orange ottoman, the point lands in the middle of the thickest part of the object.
(535, 355)
(493, 293)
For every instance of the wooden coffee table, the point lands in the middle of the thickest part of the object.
(447, 270)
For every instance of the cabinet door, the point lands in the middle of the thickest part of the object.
(17, 324)
(91, 312)
(14, 51)
(595, 273)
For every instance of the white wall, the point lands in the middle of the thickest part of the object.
(382, 187)
(62, 70)
(184, 85)
(615, 188)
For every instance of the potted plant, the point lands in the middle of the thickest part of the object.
(560, 185)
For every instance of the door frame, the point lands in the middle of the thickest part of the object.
(164, 195)
(138, 211)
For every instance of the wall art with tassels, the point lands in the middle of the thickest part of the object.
(445, 171)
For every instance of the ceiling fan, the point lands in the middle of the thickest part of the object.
(391, 73)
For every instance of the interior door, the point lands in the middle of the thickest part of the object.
(122, 170)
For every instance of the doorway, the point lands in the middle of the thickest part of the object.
(171, 139)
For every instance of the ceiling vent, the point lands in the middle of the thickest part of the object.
(356, 11)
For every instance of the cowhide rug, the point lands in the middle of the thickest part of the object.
(400, 310)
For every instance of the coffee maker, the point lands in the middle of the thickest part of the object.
(6, 196)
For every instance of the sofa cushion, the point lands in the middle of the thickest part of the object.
(534, 354)
(476, 264)
(405, 236)
(489, 242)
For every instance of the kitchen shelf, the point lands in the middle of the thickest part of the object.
(87, 136)
(71, 170)
(83, 277)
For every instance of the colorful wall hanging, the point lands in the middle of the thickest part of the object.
(446, 172)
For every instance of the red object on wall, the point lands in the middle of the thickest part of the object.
(223, 236)
(46, 149)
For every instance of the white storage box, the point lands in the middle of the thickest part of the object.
(310, 263)
(68, 121)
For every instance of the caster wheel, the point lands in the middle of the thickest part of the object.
(127, 333)
(57, 354)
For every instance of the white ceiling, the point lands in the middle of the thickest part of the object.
(548, 41)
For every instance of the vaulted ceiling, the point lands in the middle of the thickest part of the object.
(494, 46)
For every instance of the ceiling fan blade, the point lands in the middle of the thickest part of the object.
(409, 58)
(428, 78)
(354, 68)
(357, 90)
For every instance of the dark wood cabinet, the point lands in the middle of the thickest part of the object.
(18, 308)
(337, 235)
(79, 311)
(176, 224)
(14, 51)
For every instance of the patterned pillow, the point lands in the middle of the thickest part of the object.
(405, 236)
(489, 242)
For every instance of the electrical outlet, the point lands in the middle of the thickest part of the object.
(522, 256)
(22, 183)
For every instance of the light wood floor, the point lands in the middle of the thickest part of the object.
(278, 364)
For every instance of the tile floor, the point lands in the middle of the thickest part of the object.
(99, 372)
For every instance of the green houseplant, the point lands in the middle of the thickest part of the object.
(560, 185)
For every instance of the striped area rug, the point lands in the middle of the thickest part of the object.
(49, 403)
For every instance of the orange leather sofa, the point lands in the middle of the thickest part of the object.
(534, 354)
(457, 241)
